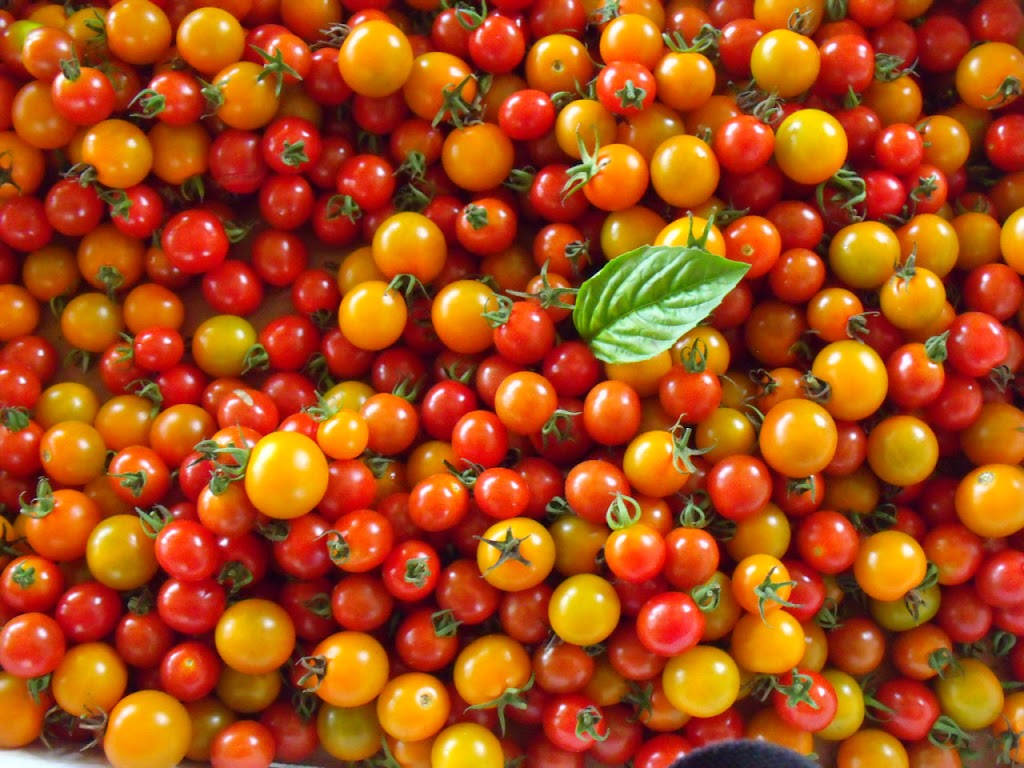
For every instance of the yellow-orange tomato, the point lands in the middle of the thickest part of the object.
(477, 157)
(119, 151)
(684, 157)
(413, 706)
(990, 500)
(433, 76)
(376, 59)
(20, 311)
(810, 146)
(889, 564)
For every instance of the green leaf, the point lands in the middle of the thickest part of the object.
(641, 302)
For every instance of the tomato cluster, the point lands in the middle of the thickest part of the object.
(311, 456)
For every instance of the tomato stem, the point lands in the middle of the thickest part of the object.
(417, 571)
(95, 721)
(414, 166)
(722, 528)
(604, 13)
(764, 381)
(873, 708)
(234, 576)
(512, 697)
(37, 686)
(120, 205)
(857, 325)
(558, 426)
(444, 623)
(71, 68)
(256, 359)
(828, 616)
(377, 464)
(42, 504)
(338, 549)
(816, 389)
(1006, 745)
(1002, 643)
(141, 602)
(213, 95)
(694, 356)
(696, 511)
(631, 96)
(799, 21)
(498, 317)
(1009, 89)
(316, 668)
(908, 269)
(587, 721)
(275, 66)
(319, 605)
(798, 691)
(682, 451)
(797, 486)
(947, 734)
(766, 106)
(149, 390)
(223, 473)
(237, 231)
(133, 482)
(334, 35)
(579, 175)
(845, 187)
(476, 216)
(641, 698)
(557, 507)
(150, 102)
(768, 592)
(520, 179)
(1001, 376)
(550, 296)
(881, 518)
(508, 550)
(836, 9)
(305, 703)
(623, 512)
(7, 172)
(411, 197)
(409, 388)
(466, 15)
(455, 107)
(294, 153)
(707, 596)
(408, 285)
(274, 530)
(155, 520)
(193, 188)
(466, 476)
(56, 723)
(889, 67)
(461, 369)
(386, 759)
(706, 40)
(342, 205)
(23, 575)
(98, 27)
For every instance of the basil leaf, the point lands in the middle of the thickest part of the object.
(641, 302)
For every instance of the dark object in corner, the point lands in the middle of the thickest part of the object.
(744, 753)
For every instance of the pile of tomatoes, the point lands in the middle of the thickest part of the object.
(301, 452)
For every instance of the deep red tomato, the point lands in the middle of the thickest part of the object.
(573, 722)
(195, 241)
